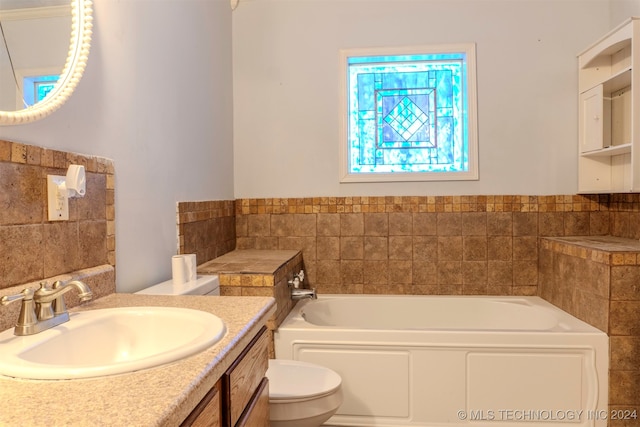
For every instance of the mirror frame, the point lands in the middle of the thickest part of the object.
(81, 25)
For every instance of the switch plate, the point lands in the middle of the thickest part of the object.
(58, 202)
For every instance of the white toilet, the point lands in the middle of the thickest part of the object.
(302, 394)
(203, 285)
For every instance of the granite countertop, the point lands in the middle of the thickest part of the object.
(160, 396)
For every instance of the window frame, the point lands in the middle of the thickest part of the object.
(469, 52)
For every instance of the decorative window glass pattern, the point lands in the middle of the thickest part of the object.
(410, 114)
(36, 88)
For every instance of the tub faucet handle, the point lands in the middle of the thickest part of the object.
(297, 280)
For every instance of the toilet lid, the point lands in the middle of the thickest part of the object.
(295, 379)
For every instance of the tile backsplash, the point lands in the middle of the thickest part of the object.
(427, 244)
(32, 248)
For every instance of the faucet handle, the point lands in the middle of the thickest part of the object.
(27, 317)
(59, 306)
(295, 282)
(43, 310)
(26, 294)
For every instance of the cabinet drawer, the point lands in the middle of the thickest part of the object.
(257, 413)
(207, 413)
(245, 375)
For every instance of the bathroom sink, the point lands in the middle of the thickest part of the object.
(109, 341)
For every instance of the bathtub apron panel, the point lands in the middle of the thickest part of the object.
(554, 374)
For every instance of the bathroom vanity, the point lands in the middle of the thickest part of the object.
(241, 397)
(223, 385)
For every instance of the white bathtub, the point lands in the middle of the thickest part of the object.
(453, 360)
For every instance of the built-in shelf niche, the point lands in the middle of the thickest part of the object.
(608, 151)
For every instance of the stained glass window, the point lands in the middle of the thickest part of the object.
(36, 88)
(410, 114)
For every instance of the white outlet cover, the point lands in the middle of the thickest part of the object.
(58, 202)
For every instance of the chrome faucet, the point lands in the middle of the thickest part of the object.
(44, 308)
(300, 293)
(297, 294)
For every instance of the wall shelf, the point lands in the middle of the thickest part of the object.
(609, 135)
(617, 81)
(609, 151)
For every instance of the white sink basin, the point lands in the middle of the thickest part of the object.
(103, 342)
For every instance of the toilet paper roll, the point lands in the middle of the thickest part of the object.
(179, 270)
(184, 268)
(192, 267)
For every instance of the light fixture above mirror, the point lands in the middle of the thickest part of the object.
(80, 41)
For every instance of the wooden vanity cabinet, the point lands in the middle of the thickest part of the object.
(244, 385)
(208, 413)
(241, 397)
(257, 412)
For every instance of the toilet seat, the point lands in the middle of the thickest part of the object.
(293, 380)
(302, 394)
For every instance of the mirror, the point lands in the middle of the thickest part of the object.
(44, 45)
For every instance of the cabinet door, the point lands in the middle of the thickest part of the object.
(257, 412)
(592, 118)
(245, 376)
(207, 413)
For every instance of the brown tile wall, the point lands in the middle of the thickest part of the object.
(625, 215)
(207, 229)
(272, 285)
(33, 249)
(419, 245)
(577, 280)
(603, 289)
(624, 333)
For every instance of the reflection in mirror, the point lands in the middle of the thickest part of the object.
(44, 46)
(35, 40)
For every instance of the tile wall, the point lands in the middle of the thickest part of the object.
(32, 248)
(206, 229)
(421, 245)
(258, 273)
(598, 281)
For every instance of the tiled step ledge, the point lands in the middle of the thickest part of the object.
(608, 250)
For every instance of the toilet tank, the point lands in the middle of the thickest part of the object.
(203, 285)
